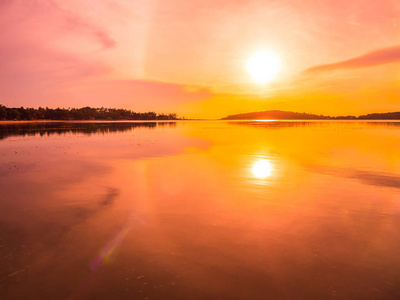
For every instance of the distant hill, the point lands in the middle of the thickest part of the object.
(275, 115)
(381, 116)
(288, 115)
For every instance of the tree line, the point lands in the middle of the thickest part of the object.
(84, 113)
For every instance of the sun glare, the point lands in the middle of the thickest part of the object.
(262, 169)
(263, 66)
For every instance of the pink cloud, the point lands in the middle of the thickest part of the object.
(34, 61)
(31, 48)
(49, 59)
(378, 57)
(139, 95)
(44, 21)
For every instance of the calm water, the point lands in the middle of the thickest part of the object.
(200, 210)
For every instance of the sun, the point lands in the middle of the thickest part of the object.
(263, 66)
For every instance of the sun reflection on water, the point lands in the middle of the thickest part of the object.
(262, 168)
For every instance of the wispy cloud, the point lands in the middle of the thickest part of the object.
(374, 58)
(45, 21)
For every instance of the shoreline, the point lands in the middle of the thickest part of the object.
(193, 120)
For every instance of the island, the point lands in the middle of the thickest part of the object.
(288, 115)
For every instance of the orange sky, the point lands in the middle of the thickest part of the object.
(189, 57)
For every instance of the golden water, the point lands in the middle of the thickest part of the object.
(200, 210)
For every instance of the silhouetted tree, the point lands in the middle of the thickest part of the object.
(3, 112)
